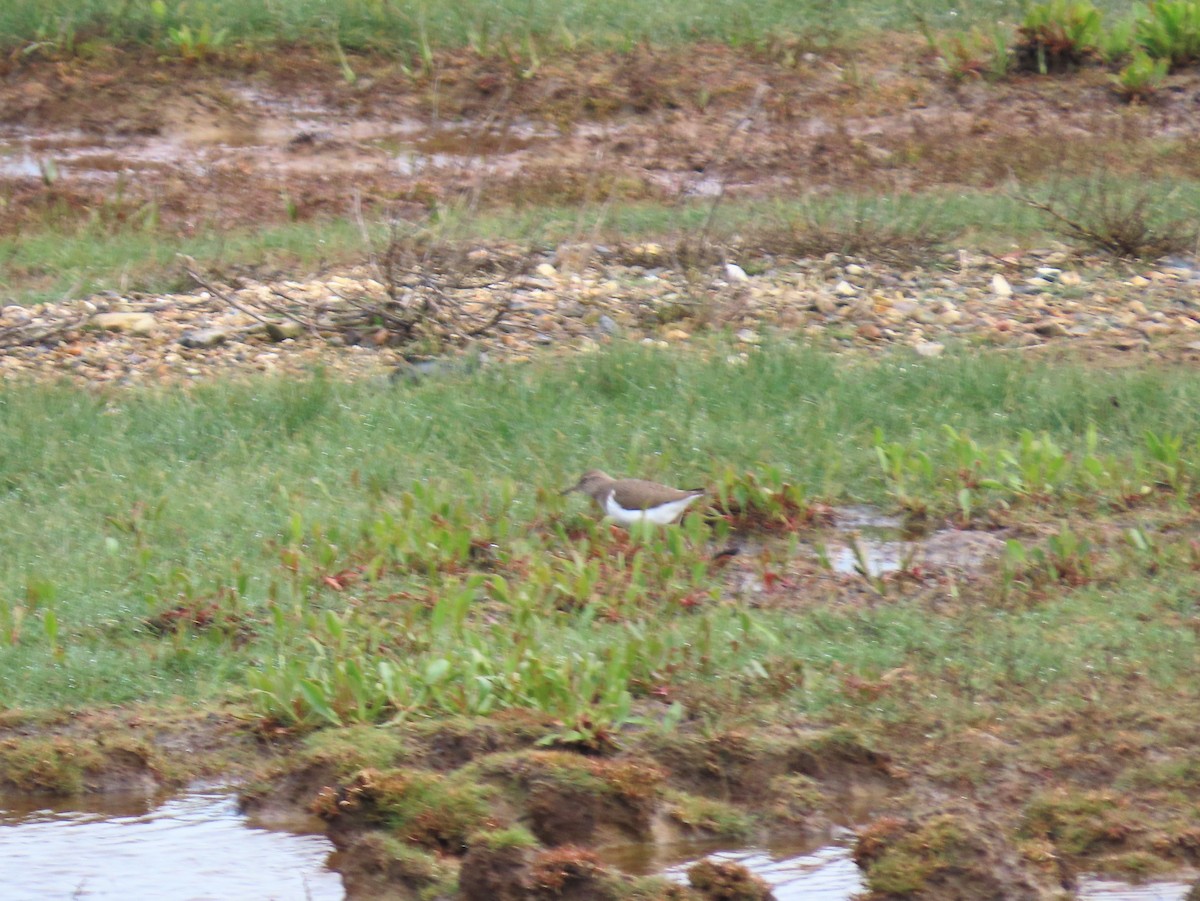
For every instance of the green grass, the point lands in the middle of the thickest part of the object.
(56, 263)
(410, 24)
(119, 506)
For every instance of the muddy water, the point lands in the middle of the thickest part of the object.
(866, 536)
(1095, 889)
(275, 142)
(194, 847)
(827, 872)
(813, 871)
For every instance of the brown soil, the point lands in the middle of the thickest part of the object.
(260, 140)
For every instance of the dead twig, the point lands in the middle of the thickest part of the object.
(217, 292)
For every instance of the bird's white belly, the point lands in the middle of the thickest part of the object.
(660, 516)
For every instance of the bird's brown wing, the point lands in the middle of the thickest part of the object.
(638, 494)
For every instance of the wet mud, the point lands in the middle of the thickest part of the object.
(262, 142)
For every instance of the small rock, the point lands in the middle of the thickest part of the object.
(736, 273)
(844, 289)
(127, 323)
(1049, 273)
(1195, 345)
(869, 332)
(950, 317)
(748, 336)
(204, 337)
(608, 325)
(1139, 281)
(1130, 343)
(855, 270)
(1050, 328)
(677, 334)
(825, 304)
(1000, 286)
(1038, 282)
(284, 329)
(545, 270)
(929, 349)
(1070, 279)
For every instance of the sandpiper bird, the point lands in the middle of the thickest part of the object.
(635, 500)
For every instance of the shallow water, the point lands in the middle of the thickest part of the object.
(867, 538)
(1095, 889)
(194, 847)
(826, 874)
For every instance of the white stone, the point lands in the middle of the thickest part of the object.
(1000, 286)
(129, 323)
(736, 273)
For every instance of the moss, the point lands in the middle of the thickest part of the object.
(1078, 823)
(624, 779)
(796, 798)
(354, 748)
(425, 808)
(56, 765)
(380, 857)
(556, 870)
(900, 858)
(720, 880)
(501, 839)
(843, 745)
(716, 818)
(1135, 865)
(567, 797)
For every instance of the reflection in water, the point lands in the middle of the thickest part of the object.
(1093, 889)
(827, 874)
(809, 868)
(192, 848)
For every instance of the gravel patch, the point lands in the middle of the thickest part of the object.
(1024, 300)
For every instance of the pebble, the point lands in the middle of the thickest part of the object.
(736, 273)
(205, 337)
(618, 293)
(1050, 328)
(823, 303)
(129, 323)
(284, 329)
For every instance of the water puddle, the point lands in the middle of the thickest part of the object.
(1092, 888)
(867, 538)
(195, 847)
(813, 871)
(319, 141)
